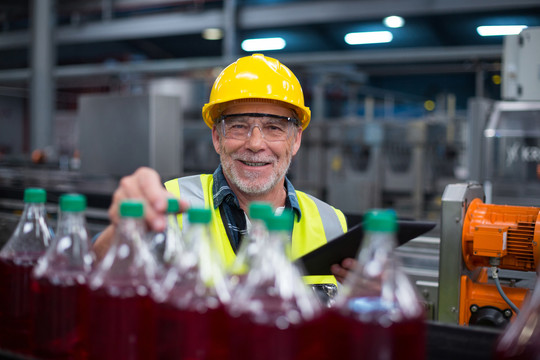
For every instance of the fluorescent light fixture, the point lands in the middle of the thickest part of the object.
(212, 34)
(490, 133)
(393, 21)
(275, 43)
(368, 37)
(499, 30)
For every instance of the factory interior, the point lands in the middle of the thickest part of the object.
(438, 122)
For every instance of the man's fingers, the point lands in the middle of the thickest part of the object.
(149, 183)
(349, 264)
(338, 271)
(117, 197)
(144, 184)
(341, 271)
(184, 205)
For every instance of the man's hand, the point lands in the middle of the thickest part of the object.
(144, 184)
(340, 271)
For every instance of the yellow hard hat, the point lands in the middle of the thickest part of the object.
(256, 78)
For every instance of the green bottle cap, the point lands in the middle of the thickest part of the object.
(35, 195)
(72, 202)
(172, 206)
(260, 210)
(199, 215)
(380, 220)
(131, 208)
(283, 222)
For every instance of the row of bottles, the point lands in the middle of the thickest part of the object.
(168, 296)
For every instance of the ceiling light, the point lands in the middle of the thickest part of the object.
(275, 43)
(500, 30)
(368, 37)
(393, 21)
(212, 34)
(429, 105)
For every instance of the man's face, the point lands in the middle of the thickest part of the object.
(255, 165)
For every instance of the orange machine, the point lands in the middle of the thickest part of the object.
(493, 238)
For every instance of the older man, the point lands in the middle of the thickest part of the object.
(257, 115)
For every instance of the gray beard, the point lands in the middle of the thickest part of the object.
(248, 187)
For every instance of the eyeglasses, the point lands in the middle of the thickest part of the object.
(272, 127)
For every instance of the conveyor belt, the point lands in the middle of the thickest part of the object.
(444, 342)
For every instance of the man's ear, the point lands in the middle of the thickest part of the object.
(215, 138)
(297, 141)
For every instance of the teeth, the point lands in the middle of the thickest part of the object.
(254, 163)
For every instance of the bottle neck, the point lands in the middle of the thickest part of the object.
(257, 231)
(374, 273)
(130, 232)
(69, 222)
(275, 278)
(378, 245)
(71, 236)
(128, 262)
(34, 210)
(69, 253)
(202, 258)
(273, 256)
(31, 236)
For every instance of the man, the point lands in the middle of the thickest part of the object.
(257, 115)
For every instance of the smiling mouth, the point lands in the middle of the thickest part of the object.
(248, 163)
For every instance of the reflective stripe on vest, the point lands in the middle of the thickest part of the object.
(319, 221)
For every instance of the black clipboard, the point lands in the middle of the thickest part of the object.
(319, 261)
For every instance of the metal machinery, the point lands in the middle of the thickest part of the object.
(377, 163)
(133, 130)
(482, 245)
(504, 136)
(512, 152)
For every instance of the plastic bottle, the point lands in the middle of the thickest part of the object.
(521, 338)
(17, 259)
(273, 307)
(121, 318)
(167, 245)
(250, 246)
(382, 315)
(59, 286)
(192, 319)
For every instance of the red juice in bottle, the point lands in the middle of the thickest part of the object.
(322, 338)
(171, 331)
(403, 340)
(121, 309)
(191, 327)
(386, 318)
(121, 326)
(272, 309)
(59, 286)
(205, 338)
(16, 303)
(17, 259)
(61, 312)
(192, 321)
(262, 341)
(277, 330)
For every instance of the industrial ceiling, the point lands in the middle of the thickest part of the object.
(104, 37)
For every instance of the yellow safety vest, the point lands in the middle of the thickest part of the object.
(318, 223)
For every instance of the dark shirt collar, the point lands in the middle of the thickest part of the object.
(222, 192)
